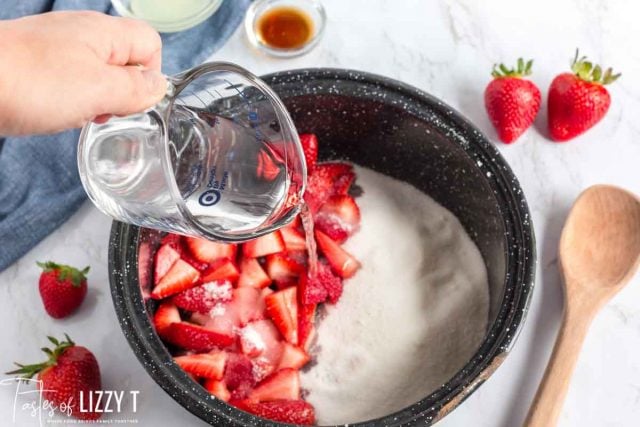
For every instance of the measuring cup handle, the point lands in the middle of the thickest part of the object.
(161, 107)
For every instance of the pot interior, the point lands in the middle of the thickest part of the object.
(405, 134)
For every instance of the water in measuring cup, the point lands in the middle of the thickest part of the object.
(126, 175)
(229, 178)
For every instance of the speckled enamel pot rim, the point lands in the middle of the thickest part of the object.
(520, 262)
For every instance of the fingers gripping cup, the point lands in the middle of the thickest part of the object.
(218, 157)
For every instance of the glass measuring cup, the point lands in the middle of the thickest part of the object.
(219, 157)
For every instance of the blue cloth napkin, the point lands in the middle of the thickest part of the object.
(39, 183)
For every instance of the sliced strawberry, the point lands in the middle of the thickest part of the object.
(259, 336)
(244, 306)
(273, 346)
(333, 170)
(316, 192)
(218, 389)
(317, 289)
(311, 290)
(269, 359)
(268, 244)
(293, 239)
(282, 307)
(326, 180)
(262, 367)
(339, 217)
(345, 208)
(332, 283)
(296, 223)
(251, 342)
(173, 240)
(284, 384)
(299, 257)
(186, 256)
(310, 339)
(282, 269)
(180, 276)
(205, 365)
(239, 372)
(221, 323)
(266, 168)
(341, 261)
(207, 251)
(145, 269)
(252, 274)
(342, 184)
(306, 324)
(309, 144)
(196, 338)
(332, 228)
(261, 307)
(165, 258)
(285, 411)
(223, 269)
(203, 298)
(166, 314)
(199, 318)
(240, 393)
(293, 357)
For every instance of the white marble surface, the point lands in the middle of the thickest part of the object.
(445, 48)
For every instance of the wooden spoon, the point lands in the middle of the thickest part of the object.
(599, 253)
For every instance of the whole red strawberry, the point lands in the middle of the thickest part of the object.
(69, 377)
(511, 101)
(578, 100)
(62, 288)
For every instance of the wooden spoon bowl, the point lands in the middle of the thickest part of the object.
(601, 240)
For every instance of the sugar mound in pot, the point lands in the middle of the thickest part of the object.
(409, 319)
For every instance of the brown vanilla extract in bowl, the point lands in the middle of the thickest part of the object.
(285, 28)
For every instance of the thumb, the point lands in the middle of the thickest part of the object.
(131, 89)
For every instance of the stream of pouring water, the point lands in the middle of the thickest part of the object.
(312, 250)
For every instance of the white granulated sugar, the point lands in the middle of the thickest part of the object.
(218, 290)
(218, 310)
(252, 339)
(409, 319)
(260, 367)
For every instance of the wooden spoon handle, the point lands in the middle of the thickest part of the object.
(549, 399)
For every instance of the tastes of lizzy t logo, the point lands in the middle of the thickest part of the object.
(29, 404)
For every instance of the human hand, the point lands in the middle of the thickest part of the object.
(60, 70)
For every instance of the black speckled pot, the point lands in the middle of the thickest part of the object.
(402, 132)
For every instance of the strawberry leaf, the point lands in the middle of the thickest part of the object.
(597, 73)
(522, 69)
(65, 272)
(28, 371)
(589, 72)
(527, 68)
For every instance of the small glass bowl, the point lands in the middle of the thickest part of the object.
(168, 16)
(312, 8)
